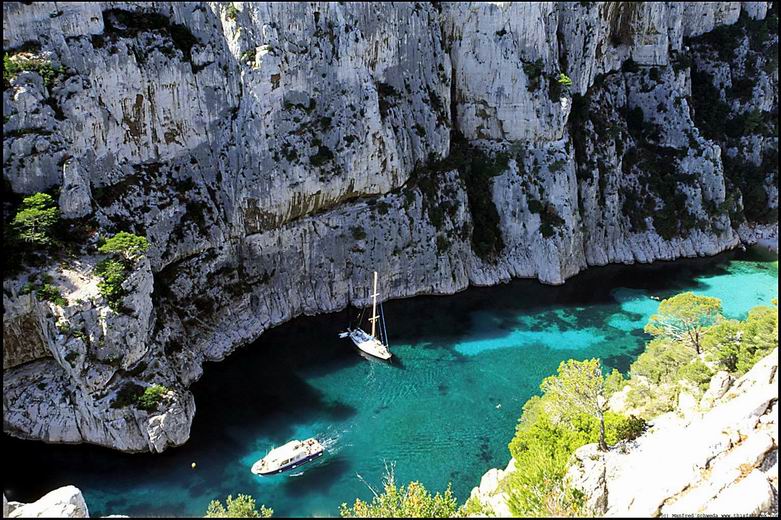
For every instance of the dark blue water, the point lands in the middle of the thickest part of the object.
(443, 412)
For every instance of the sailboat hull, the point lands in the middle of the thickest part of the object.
(369, 345)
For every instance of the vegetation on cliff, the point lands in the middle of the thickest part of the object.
(410, 501)
(693, 341)
(126, 249)
(243, 506)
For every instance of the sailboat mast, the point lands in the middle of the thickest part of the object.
(374, 305)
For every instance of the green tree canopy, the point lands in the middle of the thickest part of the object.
(579, 388)
(564, 80)
(410, 501)
(128, 245)
(35, 219)
(243, 506)
(684, 317)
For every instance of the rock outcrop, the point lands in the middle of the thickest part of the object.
(275, 154)
(718, 461)
(64, 502)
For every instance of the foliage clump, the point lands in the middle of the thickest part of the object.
(151, 397)
(231, 13)
(14, 64)
(129, 246)
(126, 249)
(684, 317)
(34, 221)
(738, 345)
(44, 290)
(410, 501)
(243, 506)
(533, 72)
(571, 412)
(476, 170)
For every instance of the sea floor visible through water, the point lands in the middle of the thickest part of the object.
(442, 412)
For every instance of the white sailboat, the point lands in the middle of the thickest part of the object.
(371, 344)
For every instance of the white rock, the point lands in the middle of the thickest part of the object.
(64, 502)
(751, 496)
(690, 465)
(719, 384)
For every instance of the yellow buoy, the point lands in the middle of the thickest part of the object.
(193, 465)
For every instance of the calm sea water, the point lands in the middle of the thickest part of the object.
(443, 412)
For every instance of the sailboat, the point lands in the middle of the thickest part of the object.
(370, 343)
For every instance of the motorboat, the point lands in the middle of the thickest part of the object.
(288, 456)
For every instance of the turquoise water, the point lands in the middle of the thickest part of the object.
(443, 412)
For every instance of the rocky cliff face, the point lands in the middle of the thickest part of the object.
(276, 154)
(716, 456)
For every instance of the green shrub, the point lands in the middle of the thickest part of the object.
(44, 290)
(410, 501)
(696, 372)
(549, 221)
(442, 243)
(546, 437)
(661, 361)
(323, 155)
(128, 245)
(113, 274)
(243, 506)
(358, 232)
(474, 507)
(13, 65)
(50, 293)
(564, 80)
(760, 337)
(635, 120)
(554, 90)
(630, 66)
(151, 397)
(127, 395)
(738, 345)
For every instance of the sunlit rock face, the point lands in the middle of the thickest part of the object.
(276, 154)
(720, 457)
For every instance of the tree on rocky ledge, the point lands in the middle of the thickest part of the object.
(684, 317)
(579, 388)
(130, 246)
(243, 506)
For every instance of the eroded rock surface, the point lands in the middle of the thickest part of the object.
(275, 154)
(719, 461)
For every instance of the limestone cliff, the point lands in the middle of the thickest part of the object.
(717, 456)
(276, 154)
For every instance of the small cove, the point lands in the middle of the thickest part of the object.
(443, 412)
